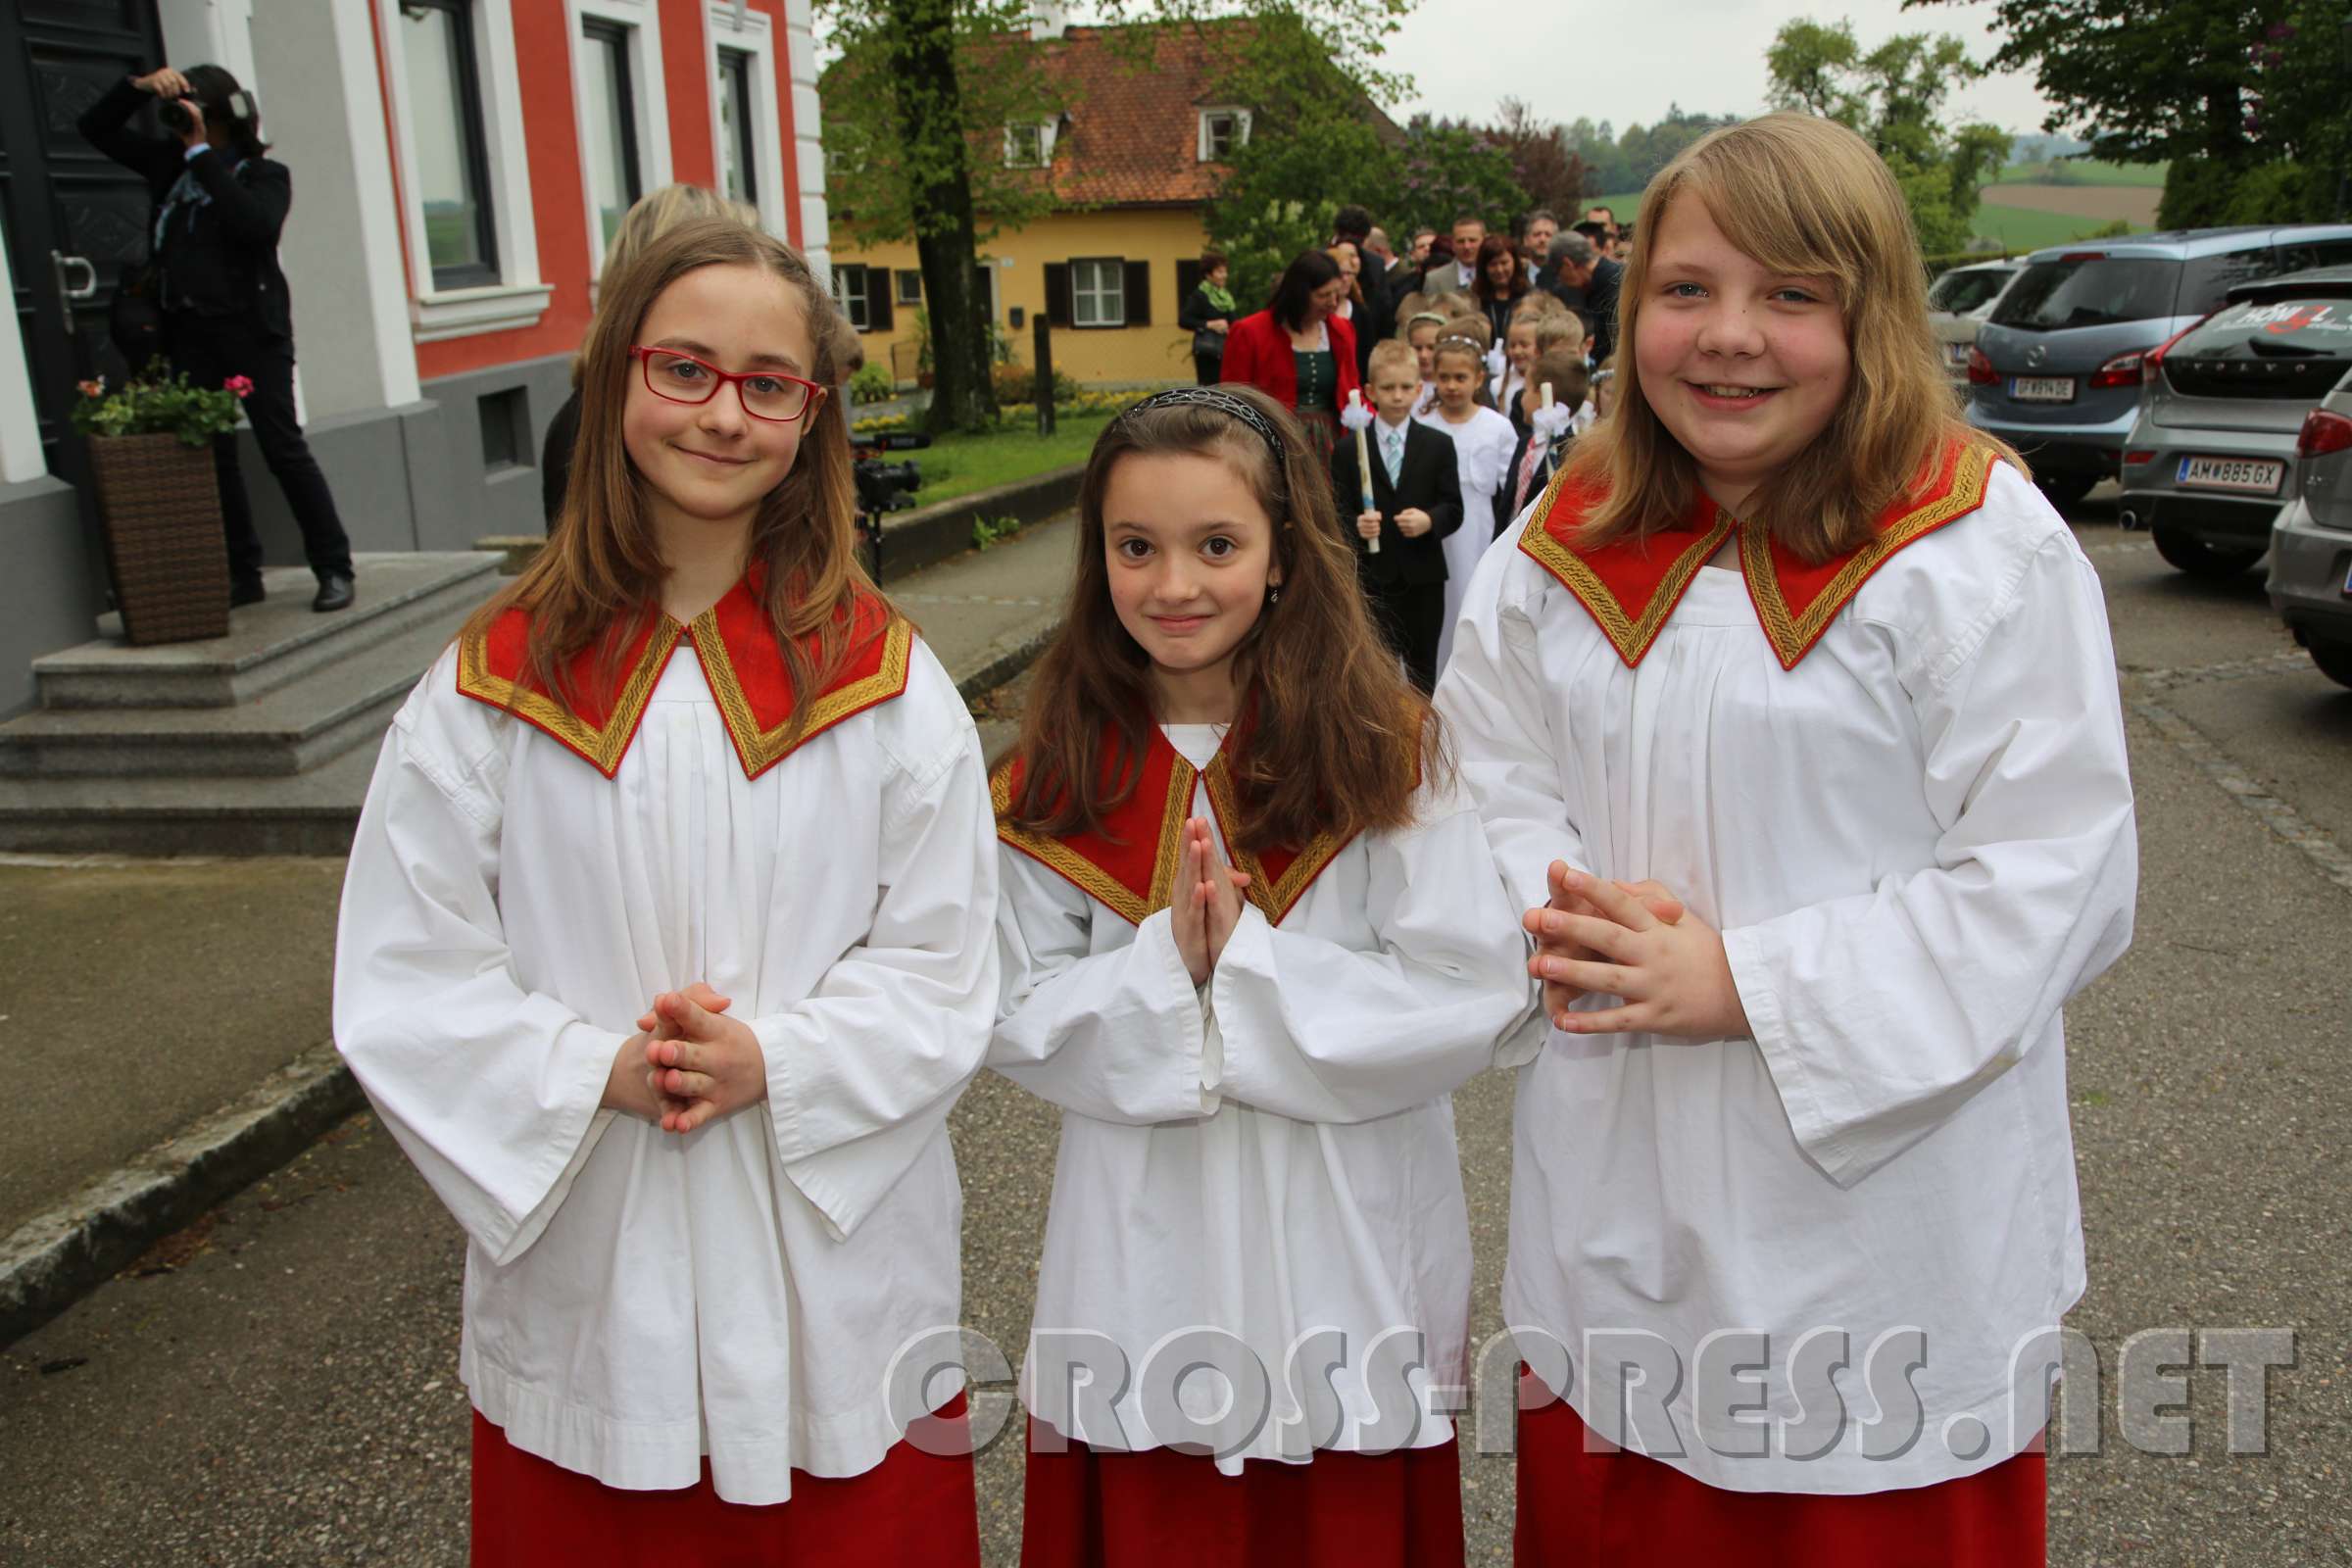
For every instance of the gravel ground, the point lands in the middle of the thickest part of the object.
(278, 1384)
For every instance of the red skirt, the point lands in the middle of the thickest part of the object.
(911, 1509)
(1627, 1510)
(1084, 1509)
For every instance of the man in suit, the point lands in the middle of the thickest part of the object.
(1542, 228)
(1578, 265)
(1416, 502)
(1469, 232)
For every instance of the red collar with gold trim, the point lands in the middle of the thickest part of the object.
(741, 658)
(1129, 864)
(1631, 587)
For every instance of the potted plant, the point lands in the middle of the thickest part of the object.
(159, 507)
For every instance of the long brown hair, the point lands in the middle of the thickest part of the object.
(1809, 198)
(597, 581)
(1337, 739)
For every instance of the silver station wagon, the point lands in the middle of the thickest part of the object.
(2211, 454)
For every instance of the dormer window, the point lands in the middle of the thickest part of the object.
(1221, 132)
(1029, 145)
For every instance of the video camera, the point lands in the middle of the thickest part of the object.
(883, 486)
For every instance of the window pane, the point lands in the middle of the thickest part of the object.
(736, 177)
(445, 166)
(610, 116)
(2097, 291)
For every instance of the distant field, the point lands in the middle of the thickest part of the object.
(2025, 227)
(2082, 172)
(2102, 204)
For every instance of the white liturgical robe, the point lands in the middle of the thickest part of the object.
(1272, 1155)
(636, 1298)
(1918, 843)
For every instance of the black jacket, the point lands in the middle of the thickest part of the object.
(220, 258)
(1194, 315)
(1427, 479)
(1600, 300)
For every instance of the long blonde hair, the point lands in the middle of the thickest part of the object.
(1805, 197)
(599, 580)
(652, 216)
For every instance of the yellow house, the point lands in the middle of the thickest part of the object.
(1136, 156)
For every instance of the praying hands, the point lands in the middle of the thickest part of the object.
(1635, 942)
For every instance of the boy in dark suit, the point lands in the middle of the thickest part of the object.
(1416, 502)
(1540, 451)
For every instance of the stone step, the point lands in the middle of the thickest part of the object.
(308, 814)
(272, 644)
(286, 731)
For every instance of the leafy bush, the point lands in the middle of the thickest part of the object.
(873, 383)
(155, 406)
(1017, 383)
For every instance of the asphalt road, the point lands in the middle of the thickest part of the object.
(278, 1384)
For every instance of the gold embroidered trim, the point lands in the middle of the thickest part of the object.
(1274, 897)
(761, 749)
(602, 749)
(1793, 635)
(1090, 878)
(1629, 637)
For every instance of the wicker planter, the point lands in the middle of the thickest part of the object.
(161, 509)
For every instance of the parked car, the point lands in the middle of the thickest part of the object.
(2055, 370)
(2212, 454)
(2311, 543)
(1958, 302)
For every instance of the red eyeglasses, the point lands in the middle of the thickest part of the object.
(770, 395)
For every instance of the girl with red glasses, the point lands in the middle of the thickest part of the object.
(666, 948)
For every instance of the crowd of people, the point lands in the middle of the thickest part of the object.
(1501, 332)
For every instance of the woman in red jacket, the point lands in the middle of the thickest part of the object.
(1297, 352)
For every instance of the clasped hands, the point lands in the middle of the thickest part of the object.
(1636, 942)
(1413, 523)
(1207, 902)
(687, 1064)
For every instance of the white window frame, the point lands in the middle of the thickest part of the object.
(864, 304)
(1044, 145)
(643, 19)
(900, 298)
(750, 33)
(1240, 128)
(1115, 268)
(518, 298)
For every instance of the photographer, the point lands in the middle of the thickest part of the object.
(225, 310)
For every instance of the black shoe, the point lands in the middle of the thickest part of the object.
(334, 593)
(241, 594)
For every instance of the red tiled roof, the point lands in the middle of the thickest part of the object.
(1132, 135)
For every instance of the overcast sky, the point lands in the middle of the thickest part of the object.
(1626, 60)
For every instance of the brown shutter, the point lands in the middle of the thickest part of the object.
(1137, 286)
(1057, 293)
(877, 299)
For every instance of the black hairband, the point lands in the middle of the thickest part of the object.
(1210, 397)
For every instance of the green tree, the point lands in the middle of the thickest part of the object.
(922, 94)
(1893, 96)
(1452, 167)
(2245, 98)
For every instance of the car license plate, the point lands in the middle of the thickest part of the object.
(2253, 476)
(2042, 389)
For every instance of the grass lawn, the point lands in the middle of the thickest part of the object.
(2023, 228)
(957, 465)
(2082, 172)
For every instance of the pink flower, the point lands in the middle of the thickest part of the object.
(91, 389)
(241, 386)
